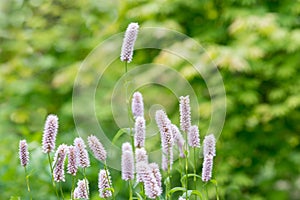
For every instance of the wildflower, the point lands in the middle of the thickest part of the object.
(155, 170)
(82, 190)
(104, 184)
(23, 153)
(50, 132)
(128, 42)
(164, 125)
(140, 156)
(178, 139)
(58, 163)
(72, 161)
(139, 135)
(152, 189)
(209, 145)
(185, 113)
(207, 168)
(137, 105)
(127, 162)
(193, 137)
(97, 148)
(81, 153)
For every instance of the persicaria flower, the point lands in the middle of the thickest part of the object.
(81, 153)
(152, 189)
(23, 153)
(178, 138)
(209, 145)
(140, 156)
(97, 148)
(164, 125)
(127, 162)
(104, 183)
(193, 137)
(137, 105)
(128, 42)
(59, 162)
(185, 113)
(82, 189)
(155, 170)
(72, 161)
(50, 132)
(139, 135)
(207, 168)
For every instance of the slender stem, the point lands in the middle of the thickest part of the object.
(217, 192)
(195, 163)
(186, 166)
(61, 191)
(73, 185)
(52, 178)
(142, 190)
(130, 190)
(27, 182)
(206, 191)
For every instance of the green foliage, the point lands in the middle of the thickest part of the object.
(255, 44)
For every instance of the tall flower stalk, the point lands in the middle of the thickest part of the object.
(185, 124)
(24, 160)
(48, 142)
(194, 142)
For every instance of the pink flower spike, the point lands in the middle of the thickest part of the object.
(140, 132)
(137, 105)
(185, 113)
(59, 162)
(128, 42)
(97, 148)
(81, 153)
(72, 161)
(23, 153)
(50, 132)
(127, 162)
(193, 137)
(104, 183)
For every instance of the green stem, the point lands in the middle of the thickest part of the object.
(217, 192)
(61, 191)
(206, 191)
(142, 190)
(52, 178)
(186, 166)
(195, 163)
(73, 185)
(130, 190)
(27, 182)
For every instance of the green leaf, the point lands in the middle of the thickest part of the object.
(120, 133)
(176, 189)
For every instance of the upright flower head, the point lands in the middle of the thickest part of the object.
(164, 125)
(59, 162)
(97, 148)
(81, 153)
(185, 113)
(72, 161)
(193, 137)
(127, 162)
(140, 156)
(140, 132)
(209, 145)
(23, 153)
(104, 183)
(50, 132)
(137, 105)
(128, 42)
(207, 168)
(178, 138)
(157, 175)
(82, 190)
(152, 188)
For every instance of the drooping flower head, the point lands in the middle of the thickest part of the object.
(164, 125)
(193, 137)
(137, 105)
(209, 145)
(81, 153)
(72, 161)
(128, 42)
(207, 168)
(59, 163)
(152, 189)
(82, 189)
(178, 138)
(185, 113)
(97, 148)
(23, 153)
(127, 162)
(50, 132)
(104, 183)
(140, 132)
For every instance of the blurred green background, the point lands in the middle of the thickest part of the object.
(255, 44)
